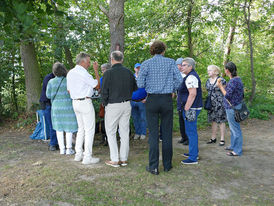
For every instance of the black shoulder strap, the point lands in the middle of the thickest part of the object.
(57, 89)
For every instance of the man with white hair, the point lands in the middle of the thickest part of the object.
(117, 88)
(80, 85)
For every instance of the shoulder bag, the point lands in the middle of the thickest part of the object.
(240, 114)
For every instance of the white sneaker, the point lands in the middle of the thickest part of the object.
(143, 137)
(92, 160)
(136, 136)
(70, 151)
(78, 158)
(62, 151)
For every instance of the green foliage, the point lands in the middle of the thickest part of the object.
(81, 26)
(262, 107)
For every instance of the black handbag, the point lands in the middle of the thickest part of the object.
(208, 105)
(240, 114)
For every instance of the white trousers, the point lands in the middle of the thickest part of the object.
(60, 139)
(85, 116)
(118, 114)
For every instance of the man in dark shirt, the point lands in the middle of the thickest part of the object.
(117, 88)
(46, 107)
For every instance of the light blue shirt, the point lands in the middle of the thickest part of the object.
(159, 75)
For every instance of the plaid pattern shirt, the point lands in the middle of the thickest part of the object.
(159, 75)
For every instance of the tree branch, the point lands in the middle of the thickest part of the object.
(202, 52)
(104, 10)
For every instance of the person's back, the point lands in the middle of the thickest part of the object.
(121, 85)
(117, 87)
(160, 77)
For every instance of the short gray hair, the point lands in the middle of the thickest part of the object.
(190, 62)
(106, 65)
(59, 70)
(80, 57)
(117, 56)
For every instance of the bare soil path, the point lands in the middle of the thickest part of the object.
(31, 175)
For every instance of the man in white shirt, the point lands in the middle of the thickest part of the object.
(80, 85)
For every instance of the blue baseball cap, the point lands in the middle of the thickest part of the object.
(179, 61)
(137, 65)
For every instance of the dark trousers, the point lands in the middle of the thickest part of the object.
(159, 106)
(182, 126)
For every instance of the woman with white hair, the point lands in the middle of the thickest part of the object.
(216, 115)
(62, 114)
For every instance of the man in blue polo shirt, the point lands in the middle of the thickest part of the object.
(138, 110)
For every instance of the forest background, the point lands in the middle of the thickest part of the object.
(35, 34)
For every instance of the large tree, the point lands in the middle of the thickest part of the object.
(115, 14)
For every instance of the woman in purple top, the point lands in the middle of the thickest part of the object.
(233, 95)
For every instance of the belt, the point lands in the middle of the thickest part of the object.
(167, 94)
(81, 99)
(125, 101)
(138, 100)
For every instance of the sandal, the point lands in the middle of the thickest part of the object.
(228, 148)
(222, 143)
(211, 141)
(233, 154)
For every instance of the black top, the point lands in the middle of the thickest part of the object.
(43, 97)
(118, 85)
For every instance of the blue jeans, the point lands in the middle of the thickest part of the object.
(235, 131)
(52, 132)
(192, 133)
(138, 113)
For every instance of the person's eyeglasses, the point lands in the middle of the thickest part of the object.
(183, 65)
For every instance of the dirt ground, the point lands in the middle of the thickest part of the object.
(31, 175)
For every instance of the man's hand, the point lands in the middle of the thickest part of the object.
(95, 66)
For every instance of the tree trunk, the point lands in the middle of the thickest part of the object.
(13, 87)
(229, 42)
(32, 75)
(247, 19)
(1, 108)
(189, 28)
(116, 25)
(14, 96)
(115, 16)
(68, 57)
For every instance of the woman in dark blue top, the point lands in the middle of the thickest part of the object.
(233, 96)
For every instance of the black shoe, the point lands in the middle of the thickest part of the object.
(185, 142)
(152, 171)
(181, 141)
(211, 141)
(167, 169)
(53, 148)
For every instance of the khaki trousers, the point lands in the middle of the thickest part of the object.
(118, 114)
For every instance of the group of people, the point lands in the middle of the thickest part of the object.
(147, 97)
